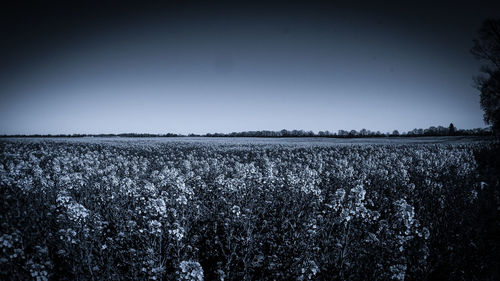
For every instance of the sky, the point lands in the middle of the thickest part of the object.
(203, 67)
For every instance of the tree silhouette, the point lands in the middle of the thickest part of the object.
(451, 129)
(487, 49)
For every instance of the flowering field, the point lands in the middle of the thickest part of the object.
(209, 211)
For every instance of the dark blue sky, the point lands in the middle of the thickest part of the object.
(221, 67)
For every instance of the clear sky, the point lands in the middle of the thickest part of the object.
(185, 67)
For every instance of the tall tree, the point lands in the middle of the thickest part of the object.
(487, 50)
(451, 129)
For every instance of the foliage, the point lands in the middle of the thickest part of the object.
(202, 211)
(363, 133)
(487, 49)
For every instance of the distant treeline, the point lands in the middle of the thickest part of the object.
(363, 133)
(124, 135)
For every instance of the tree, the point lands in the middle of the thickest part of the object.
(342, 133)
(487, 49)
(451, 129)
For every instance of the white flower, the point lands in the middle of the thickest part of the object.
(236, 210)
(74, 210)
(155, 227)
(190, 270)
(182, 199)
(177, 233)
(158, 207)
(398, 272)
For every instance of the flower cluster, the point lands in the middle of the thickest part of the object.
(145, 210)
(190, 270)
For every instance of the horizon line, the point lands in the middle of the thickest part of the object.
(287, 132)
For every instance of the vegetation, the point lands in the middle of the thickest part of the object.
(363, 133)
(124, 211)
(487, 50)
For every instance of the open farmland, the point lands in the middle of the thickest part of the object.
(243, 209)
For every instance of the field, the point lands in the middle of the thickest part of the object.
(249, 209)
